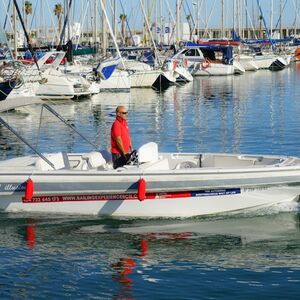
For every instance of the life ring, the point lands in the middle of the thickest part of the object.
(205, 64)
(186, 63)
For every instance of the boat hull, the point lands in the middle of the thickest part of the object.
(177, 195)
(213, 69)
(161, 205)
(5, 88)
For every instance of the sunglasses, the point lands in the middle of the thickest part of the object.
(124, 112)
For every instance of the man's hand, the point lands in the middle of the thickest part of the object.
(127, 156)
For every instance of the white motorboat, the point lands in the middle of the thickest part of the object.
(205, 60)
(247, 62)
(153, 184)
(180, 70)
(47, 81)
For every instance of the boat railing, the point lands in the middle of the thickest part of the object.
(26, 143)
(43, 157)
(56, 114)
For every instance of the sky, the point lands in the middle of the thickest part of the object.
(209, 13)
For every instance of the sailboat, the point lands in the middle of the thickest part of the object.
(8, 75)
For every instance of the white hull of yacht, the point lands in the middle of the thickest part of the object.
(183, 74)
(165, 185)
(119, 81)
(146, 78)
(264, 62)
(247, 62)
(212, 69)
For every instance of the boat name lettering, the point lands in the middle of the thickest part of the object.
(102, 197)
(218, 192)
(133, 196)
(254, 189)
(13, 187)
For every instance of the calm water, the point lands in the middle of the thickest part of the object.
(246, 256)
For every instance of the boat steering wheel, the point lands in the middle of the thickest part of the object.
(133, 158)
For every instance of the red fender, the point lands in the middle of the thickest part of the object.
(29, 188)
(141, 193)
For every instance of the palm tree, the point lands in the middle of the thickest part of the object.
(123, 20)
(58, 11)
(28, 11)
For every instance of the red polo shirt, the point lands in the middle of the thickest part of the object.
(120, 128)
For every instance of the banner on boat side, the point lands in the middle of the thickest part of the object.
(133, 196)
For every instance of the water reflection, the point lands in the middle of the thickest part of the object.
(121, 257)
(164, 239)
(254, 113)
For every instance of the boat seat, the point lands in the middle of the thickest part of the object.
(148, 153)
(162, 164)
(94, 160)
(186, 165)
(55, 158)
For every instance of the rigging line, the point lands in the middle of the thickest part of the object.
(172, 25)
(209, 17)
(250, 19)
(34, 11)
(2, 32)
(82, 18)
(7, 11)
(126, 20)
(267, 29)
(56, 114)
(296, 13)
(112, 34)
(26, 143)
(150, 33)
(62, 34)
(39, 129)
(56, 36)
(190, 13)
(8, 17)
(187, 18)
(279, 19)
(26, 35)
(200, 15)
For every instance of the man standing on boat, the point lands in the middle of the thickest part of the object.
(120, 138)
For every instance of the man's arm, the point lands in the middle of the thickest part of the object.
(120, 145)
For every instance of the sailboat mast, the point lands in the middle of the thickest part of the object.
(222, 19)
(233, 19)
(177, 21)
(104, 37)
(280, 18)
(114, 17)
(95, 33)
(15, 31)
(271, 17)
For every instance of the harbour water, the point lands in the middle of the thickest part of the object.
(253, 254)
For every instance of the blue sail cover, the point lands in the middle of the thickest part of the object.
(106, 68)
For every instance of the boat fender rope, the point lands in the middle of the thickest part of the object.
(175, 63)
(205, 64)
(29, 189)
(141, 190)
